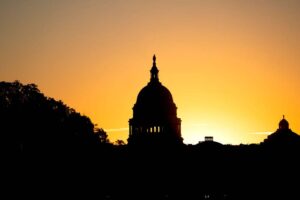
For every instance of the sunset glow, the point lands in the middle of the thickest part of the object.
(232, 67)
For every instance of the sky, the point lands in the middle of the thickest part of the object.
(233, 67)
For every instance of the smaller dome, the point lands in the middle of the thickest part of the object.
(283, 124)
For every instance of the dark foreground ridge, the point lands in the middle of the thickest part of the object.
(188, 172)
(50, 150)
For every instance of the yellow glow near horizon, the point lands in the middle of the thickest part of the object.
(231, 66)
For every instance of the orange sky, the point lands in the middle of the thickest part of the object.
(232, 66)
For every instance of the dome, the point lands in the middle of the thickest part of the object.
(283, 136)
(154, 114)
(154, 101)
(154, 93)
(283, 124)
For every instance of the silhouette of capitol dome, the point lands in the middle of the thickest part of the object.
(154, 101)
(154, 114)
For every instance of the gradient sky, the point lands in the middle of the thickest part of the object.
(231, 66)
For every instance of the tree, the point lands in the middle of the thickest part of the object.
(119, 142)
(101, 135)
(32, 122)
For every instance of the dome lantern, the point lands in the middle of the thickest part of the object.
(154, 71)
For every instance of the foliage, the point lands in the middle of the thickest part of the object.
(120, 142)
(30, 121)
(102, 135)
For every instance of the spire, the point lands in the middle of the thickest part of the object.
(154, 60)
(282, 116)
(154, 71)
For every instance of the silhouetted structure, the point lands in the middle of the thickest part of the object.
(48, 146)
(209, 138)
(283, 135)
(154, 115)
